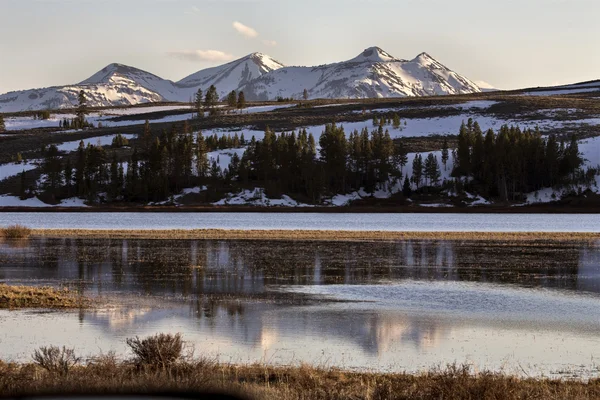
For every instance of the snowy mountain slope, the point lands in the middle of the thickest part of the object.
(373, 73)
(116, 74)
(114, 85)
(119, 93)
(230, 76)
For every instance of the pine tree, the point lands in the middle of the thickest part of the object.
(201, 156)
(68, 174)
(445, 153)
(241, 103)
(23, 187)
(305, 94)
(396, 122)
(82, 109)
(2, 124)
(52, 167)
(212, 97)
(232, 99)
(198, 104)
(417, 174)
(406, 190)
(432, 171)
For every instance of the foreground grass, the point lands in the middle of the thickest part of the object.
(13, 297)
(287, 383)
(308, 235)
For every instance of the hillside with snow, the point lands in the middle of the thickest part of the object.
(372, 74)
(230, 76)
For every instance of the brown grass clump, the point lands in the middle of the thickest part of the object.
(158, 351)
(16, 232)
(39, 297)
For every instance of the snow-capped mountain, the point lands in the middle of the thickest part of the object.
(114, 85)
(232, 75)
(373, 73)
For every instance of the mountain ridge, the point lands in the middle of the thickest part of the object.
(373, 73)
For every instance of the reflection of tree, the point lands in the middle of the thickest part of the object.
(196, 268)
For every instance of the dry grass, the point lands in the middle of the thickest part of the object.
(311, 235)
(12, 297)
(287, 383)
(16, 232)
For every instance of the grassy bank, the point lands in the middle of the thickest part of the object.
(13, 297)
(309, 235)
(287, 383)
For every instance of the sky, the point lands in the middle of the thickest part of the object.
(509, 43)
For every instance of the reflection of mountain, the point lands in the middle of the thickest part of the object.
(263, 326)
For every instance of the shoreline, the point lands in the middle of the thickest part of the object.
(324, 235)
(365, 209)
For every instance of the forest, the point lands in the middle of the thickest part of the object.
(502, 165)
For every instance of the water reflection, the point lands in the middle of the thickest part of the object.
(192, 268)
(414, 304)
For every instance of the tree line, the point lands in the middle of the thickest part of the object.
(502, 165)
(512, 162)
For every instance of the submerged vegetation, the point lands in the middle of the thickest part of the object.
(311, 235)
(60, 370)
(12, 297)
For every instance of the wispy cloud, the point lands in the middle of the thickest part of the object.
(245, 30)
(270, 43)
(201, 55)
(192, 11)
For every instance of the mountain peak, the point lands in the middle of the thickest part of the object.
(108, 72)
(425, 59)
(374, 54)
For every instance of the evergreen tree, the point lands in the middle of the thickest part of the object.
(432, 171)
(201, 156)
(305, 94)
(80, 165)
(396, 122)
(241, 103)
(114, 177)
(23, 187)
(52, 167)
(68, 175)
(417, 175)
(82, 109)
(212, 97)
(406, 189)
(2, 124)
(232, 99)
(198, 104)
(445, 152)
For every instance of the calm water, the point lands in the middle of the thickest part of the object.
(391, 306)
(383, 222)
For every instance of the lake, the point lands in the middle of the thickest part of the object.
(409, 305)
(310, 221)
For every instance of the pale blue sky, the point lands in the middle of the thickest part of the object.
(507, 43)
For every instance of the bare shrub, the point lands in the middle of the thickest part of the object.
(159, 351)
(55, 359)
(16, 232)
